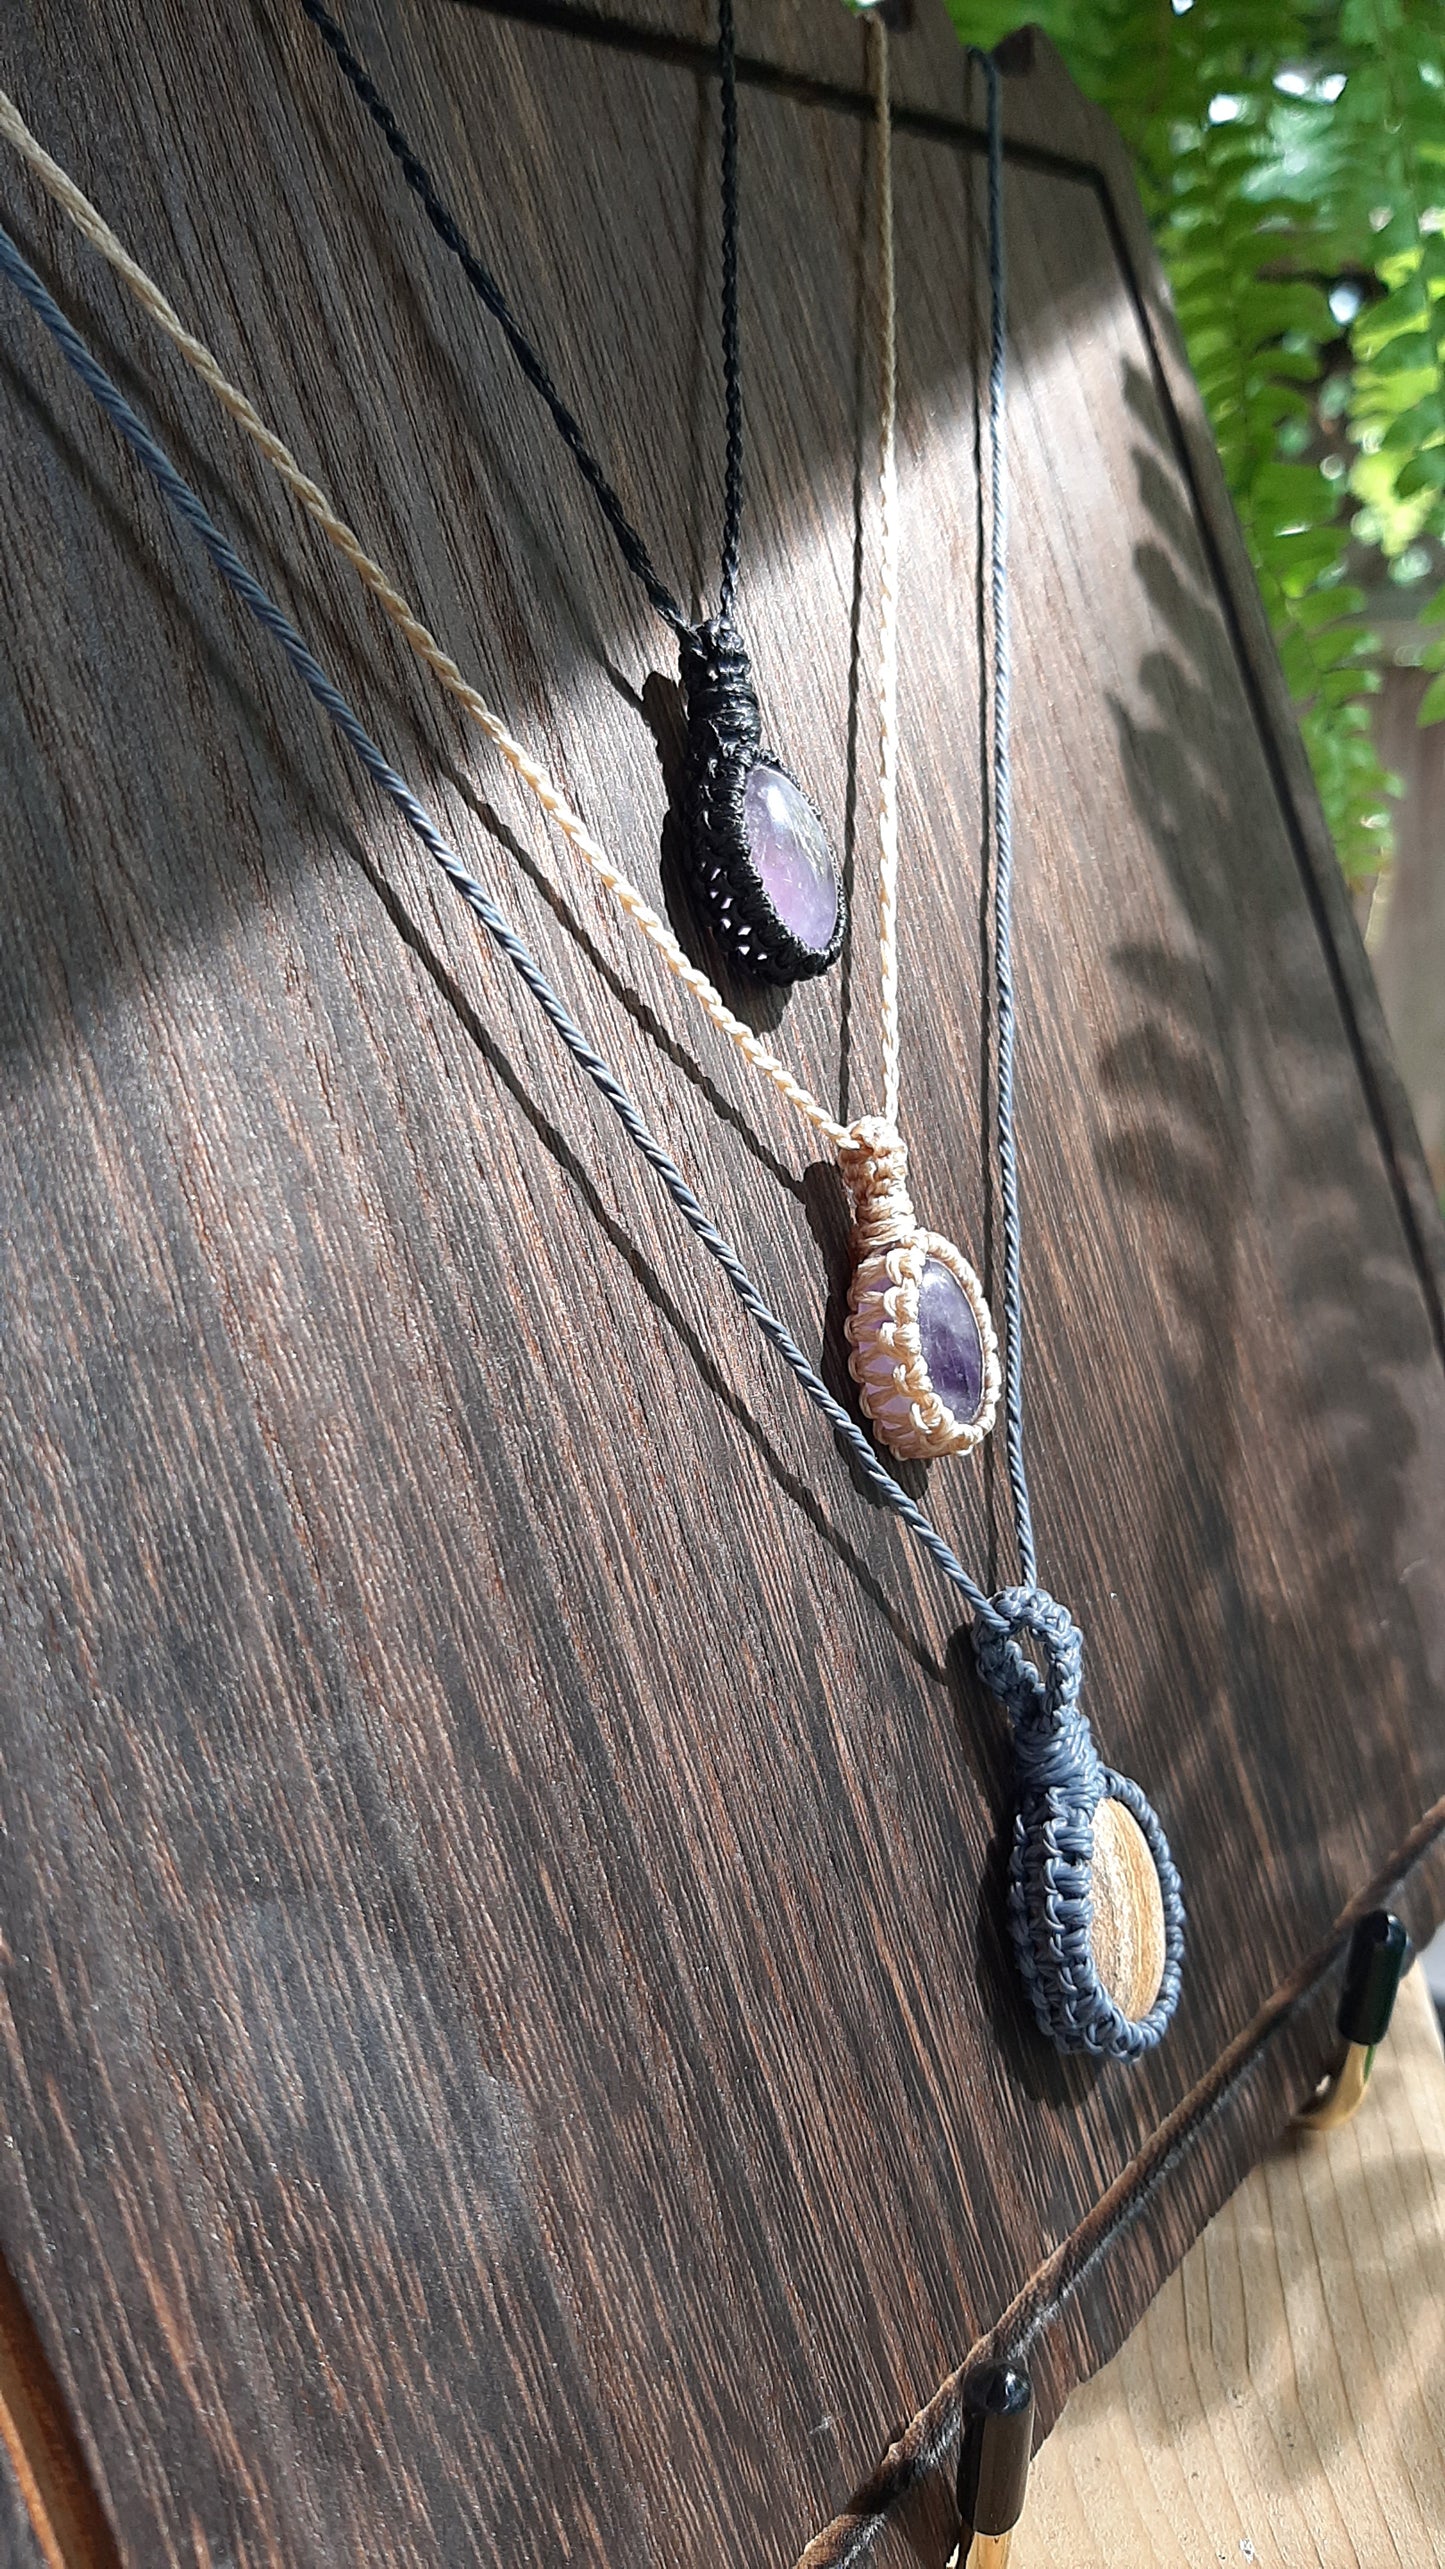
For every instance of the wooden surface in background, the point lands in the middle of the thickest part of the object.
(1408, 938)
(19, 2544)
(50, 2515)
(1283, 2400)
(507, 2043)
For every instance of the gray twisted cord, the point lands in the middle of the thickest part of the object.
(1063, 1779)
(190, 510)
(1001, 823)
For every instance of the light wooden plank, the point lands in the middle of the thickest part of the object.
(1283, 2400)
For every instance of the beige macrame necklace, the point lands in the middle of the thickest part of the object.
(923, 1349)
(924, 1354)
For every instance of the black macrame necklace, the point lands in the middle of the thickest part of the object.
(756, 851)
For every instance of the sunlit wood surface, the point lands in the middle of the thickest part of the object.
(1283, 2401)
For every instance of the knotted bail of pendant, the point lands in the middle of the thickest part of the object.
(717, 687)
(1095, 1907)
(756, 850)
(875, 1171)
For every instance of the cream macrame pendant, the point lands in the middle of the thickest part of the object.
(925, 1357)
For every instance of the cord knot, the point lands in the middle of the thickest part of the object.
(1011, 1675)
(1062, 1781)
(718, 689)
(874, 1162)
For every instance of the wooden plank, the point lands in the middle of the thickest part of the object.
(1283, 2400)
(1280, 2402)
(508, 2044)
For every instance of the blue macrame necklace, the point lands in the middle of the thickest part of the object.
(1081, 1829)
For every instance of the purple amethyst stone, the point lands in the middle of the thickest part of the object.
(790, 854)
(952, 1348)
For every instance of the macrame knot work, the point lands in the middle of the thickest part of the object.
(724, 747)
(1062, 1782)
(875, 1172)
(915, 1412)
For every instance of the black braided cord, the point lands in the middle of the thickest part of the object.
(732, 350)
(724, 725)
(449, 231)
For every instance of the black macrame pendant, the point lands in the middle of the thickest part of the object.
(756, 852)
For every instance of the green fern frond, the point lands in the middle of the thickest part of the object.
(1282, 144)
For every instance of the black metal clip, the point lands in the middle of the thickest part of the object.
(1380, 1951)
(995, 2447)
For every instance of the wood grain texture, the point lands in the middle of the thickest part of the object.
(50, 2517)
(1413, 923)
(19, 2544)
(1283, 2401)
(507, 2040)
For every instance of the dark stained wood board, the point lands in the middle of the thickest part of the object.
(507, 2049)
(19, 2548)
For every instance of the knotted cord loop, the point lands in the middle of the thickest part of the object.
(874, 1162)
(1033, 1699)
(717, 684)
(724, 743)
(1062, 1781)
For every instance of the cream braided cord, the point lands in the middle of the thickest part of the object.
(92, 224)
(888, 543)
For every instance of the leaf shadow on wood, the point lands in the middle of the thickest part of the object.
(1231, 1038)
(1229, 1035)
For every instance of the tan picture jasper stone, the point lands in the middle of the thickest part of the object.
(1126, 1936)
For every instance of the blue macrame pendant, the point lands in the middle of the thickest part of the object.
(1095, 1910)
